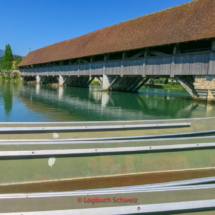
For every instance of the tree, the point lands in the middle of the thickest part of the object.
(8, 57)
(166, 81)
(18, 60)
(1, 63)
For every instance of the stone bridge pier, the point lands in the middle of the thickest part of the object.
(199, 86)
(205, 86)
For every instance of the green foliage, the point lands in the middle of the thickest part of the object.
(95, 83)
(173, 86)
(16, 57)
(166, 81)
(18, 60)
(1, 63)
(8, 58)
(164, 84)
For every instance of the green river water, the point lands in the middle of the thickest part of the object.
(39, 103)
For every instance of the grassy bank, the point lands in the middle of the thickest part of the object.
(95, 83)
(166, 83)
(174, 86)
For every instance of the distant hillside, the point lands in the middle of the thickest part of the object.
(1, 52)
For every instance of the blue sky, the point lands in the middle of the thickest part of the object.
(34, 24)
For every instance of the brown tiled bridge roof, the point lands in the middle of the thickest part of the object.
(191, 21)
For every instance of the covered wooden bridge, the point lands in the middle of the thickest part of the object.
(178, 42)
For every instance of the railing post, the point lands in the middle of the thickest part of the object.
(104, 64)
(61, 63)
(144, 64)
(122, 64)
(79, 61)
(213, 45)
(91, 60)
(211, 66)
(172, 72)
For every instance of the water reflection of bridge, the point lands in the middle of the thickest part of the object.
(68, 104)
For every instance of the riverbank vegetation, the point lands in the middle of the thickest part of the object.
(95, 83)
(6, 62)
(7, 58)
(163, 83)
(7, 71)
(10, 75)
(172, 86)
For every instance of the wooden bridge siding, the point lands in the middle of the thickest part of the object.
(97, 68)
(64, 70)
(84, 69)
(113, 67)
(158, 66)
(49, 70)
(199, 64)
(192, 64)
(182, 65)
(74, 70)
(211, 70)
(54, 70)
(133, 67)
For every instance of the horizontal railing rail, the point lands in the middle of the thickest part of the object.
(104, 150)
(156, 203)
(104, 122)
(73, 141)
(113, 138)
(74, 128)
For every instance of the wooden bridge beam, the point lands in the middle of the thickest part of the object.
(134, 84)
(188, 86)
(160, 54)
(213, 45)
(99, 80)
(143, 82)
(137, 55)
(84, 61)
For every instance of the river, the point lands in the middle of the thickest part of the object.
(39, 103)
